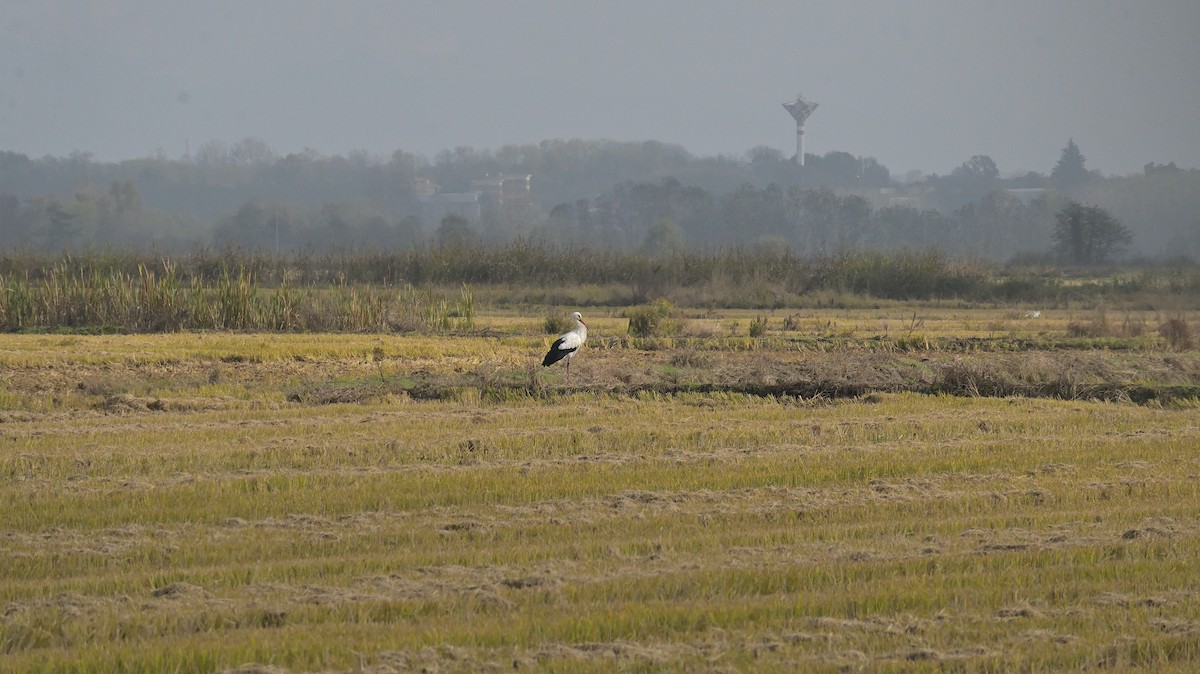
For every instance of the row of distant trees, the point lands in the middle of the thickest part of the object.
(658, 219)
(663, 218)
(650, 196)
(208, 183)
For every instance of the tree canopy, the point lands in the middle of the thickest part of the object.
(1070, 171)
(1088, 234)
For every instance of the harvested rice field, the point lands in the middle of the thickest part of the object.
(963, 490)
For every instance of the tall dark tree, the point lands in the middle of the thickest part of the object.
(979, 167)
(966, 184)
(1070, 171)
(62, 227)
(1088, 234)
(455, 231)
(12, 229)
(663, 238)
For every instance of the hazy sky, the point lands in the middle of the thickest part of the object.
(918, 85)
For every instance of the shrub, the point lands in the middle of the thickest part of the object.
(1177, 333)
(655, 320)
(1099, 327)
(758, 326)
(554, 324)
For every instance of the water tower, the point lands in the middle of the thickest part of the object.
(800, 110)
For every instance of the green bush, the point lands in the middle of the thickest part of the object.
(555, 324)
(758, 326)
(656, 320)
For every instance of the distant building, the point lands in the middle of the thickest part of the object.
(888, 197)
(424, 187)
(1026, 195)
(1152, 168)
(436, 204)
(504, 189)
(488, 192)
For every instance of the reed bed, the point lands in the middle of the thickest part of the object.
(159, 300)
(422, 289)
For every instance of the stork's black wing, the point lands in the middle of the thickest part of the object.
(558, 351)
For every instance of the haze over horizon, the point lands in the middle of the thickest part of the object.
(918, 86)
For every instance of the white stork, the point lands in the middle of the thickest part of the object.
(567, 344)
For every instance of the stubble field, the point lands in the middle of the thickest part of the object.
(896, 489)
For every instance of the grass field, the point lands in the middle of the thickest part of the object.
(913, 488)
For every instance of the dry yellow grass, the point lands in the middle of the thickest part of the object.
(176, 503)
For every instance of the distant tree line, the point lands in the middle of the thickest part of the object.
(650, 197)
(667, 216)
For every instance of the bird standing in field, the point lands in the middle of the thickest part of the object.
(567, 344)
